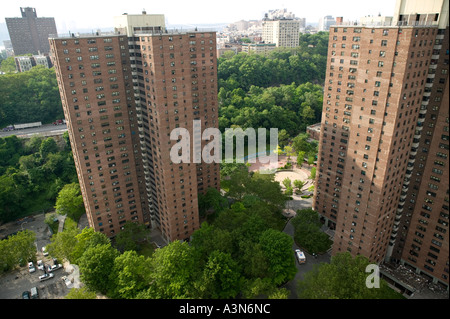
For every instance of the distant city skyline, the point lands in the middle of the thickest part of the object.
(101, 13)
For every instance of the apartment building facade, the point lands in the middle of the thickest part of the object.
(282, 32)
(29, 34)
(25, 63)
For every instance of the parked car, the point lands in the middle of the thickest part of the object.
(31, 267)
(34, 293)
(40, 265)
(66, 280)
(26, 295)
(44, 251)
(53, 267)
(46, 276)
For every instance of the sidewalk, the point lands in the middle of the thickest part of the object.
(74, 275)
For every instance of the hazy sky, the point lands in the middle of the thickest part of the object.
(93, 14)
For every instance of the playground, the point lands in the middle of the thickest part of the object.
(293, 173)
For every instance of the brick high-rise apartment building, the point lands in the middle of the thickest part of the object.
(420, 237)
(29, 34)
(177, 85)
(122, 96)
(376, 97)
(94, 78)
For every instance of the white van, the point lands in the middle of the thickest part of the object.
(300, 256)
(34, 293)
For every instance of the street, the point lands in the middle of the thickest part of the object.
(47, 129)
(292, 285)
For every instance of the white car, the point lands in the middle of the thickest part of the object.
(66, 280)
(53, 267)
(31, 267)
(45, 277)
(40, 265)
(44, 251)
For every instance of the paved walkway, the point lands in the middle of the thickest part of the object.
(61, 219)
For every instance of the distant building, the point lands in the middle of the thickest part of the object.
(314, 131)
(29, 34)
(25, 63)
(326, 22)
(228, 48)
(283, 32)
(258, 48)
(8, 48)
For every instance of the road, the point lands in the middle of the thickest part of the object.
(292, 285)
(46, 130)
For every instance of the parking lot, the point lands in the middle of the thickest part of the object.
(14, 283)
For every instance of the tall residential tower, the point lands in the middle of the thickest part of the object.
(379, 88)
(29, 34)
(123, 95)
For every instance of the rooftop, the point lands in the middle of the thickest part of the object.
(143, 32)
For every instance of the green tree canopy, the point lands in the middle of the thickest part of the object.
(96, 266)
(70, 201)
(343, 278)
(17, 249)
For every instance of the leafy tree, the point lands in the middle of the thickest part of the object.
(209, 238)
(313, 173)
(277, 248)
(85, 239)
(283, 138)
(174, 270)
(10, 199)
(131, 236)
(8, 65)
(70, 201)
(220, 277)
(289, 191)
(17, 249)
(131, 275)
(48, 146)
(289, 152)
(301, 144)
(253, 260)
(31, 96)
(343, 278)
(80, 293)
(299, 184)
(287, 182)
(212, 199)
(63, 243)
(307, 233)
(96, 265)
